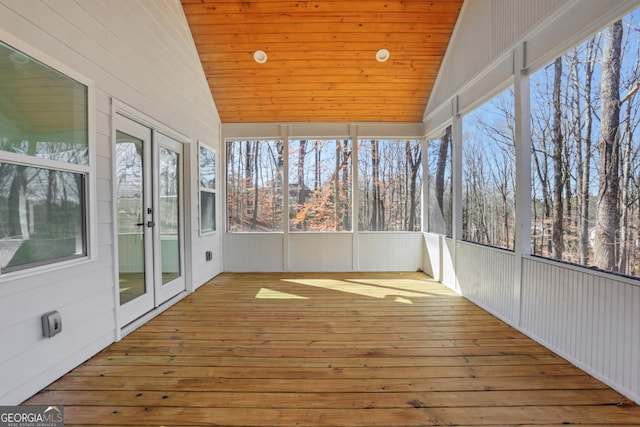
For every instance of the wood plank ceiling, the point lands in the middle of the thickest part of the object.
(321, 54)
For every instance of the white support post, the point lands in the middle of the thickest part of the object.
(424, 142)
(523, 173)
(456, 170)
(456, 183)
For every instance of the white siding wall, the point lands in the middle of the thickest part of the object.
(320, 252)
(591, 319)
(389, 251)
(448, 264)
(432, 264)
(253, 252)
(477, 266)
(141, 53)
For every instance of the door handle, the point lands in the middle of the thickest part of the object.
(139, 224)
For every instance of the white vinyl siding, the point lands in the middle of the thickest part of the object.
(142, 54)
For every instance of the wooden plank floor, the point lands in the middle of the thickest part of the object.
(348, 349)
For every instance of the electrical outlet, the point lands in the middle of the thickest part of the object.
(51, 324)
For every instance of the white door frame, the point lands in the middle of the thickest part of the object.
(156, 293)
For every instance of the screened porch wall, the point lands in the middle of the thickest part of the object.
(322, 251)
(591, 318)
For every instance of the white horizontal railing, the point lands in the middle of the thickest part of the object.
(344, 251)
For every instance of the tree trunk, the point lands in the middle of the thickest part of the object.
(233, 199)
(413, 160)
(578, 141)
(585, 174)
(254, 219)
(607, 219)
(279, 190)
(17, 204)
(624, 192)
(248, 164)
(542, 170)
(301, 155)
(441, 167)
(377, 208)
(301, 189)
(336, 187)
(317, 173)
(558, 166)
(346, 176)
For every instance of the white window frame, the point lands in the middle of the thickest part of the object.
(89, 170)
(214, 191)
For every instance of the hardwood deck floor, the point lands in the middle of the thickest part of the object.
(348, 349)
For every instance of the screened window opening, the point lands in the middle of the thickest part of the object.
(44, 124)
(488, 173)
(585, 110)
(320, 179)
(255, 185)
(390, 185)
(207, 179)
(440, 219)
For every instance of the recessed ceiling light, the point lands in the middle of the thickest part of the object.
(260, 56)
(382, 55)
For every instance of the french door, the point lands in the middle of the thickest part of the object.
(148, 187)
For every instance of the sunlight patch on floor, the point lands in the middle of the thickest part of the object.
(405, 285)
(265, 293)
(356, 286)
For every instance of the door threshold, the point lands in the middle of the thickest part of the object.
(130, 327)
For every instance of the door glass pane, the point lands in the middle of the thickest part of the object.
(131, 217)
(169, 214)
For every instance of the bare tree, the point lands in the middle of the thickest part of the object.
(584, 168)
(256, 184)
(377, 204)
(558, 166)
(413, 157)
(346, 184)
(607, 219)
(443, 158)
